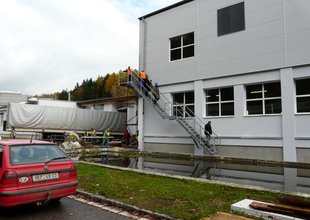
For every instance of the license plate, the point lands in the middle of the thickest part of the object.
(44, 177)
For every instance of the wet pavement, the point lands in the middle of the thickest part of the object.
(67, 208)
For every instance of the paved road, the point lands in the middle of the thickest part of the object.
(66, 209)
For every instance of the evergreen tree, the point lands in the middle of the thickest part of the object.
(63, 95)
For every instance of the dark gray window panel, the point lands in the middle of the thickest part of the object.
(273, 106)
(303, 104)
(227, 109)
(212, 95)
(303, 87)
(213, 109)
(303, 95)
(272, 90)
(254, 91)
(189, 98)
(231, 19)
(227, 94)
(175, 42)
(178, 98)
(188, 51)
(175, 54)
(255, 107)
(190, 111)
(178, 111)
(188, 39)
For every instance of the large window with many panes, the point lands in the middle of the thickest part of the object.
(263, 99)
(230, 19)
(220, 102)
(303, 95)
(183, 104)
(182, 46)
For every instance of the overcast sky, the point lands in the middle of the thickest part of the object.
(50, 45)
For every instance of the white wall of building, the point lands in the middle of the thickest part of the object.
(287, 130)
(274, 47)
(276, 36)
(7, 97)
(57, 103)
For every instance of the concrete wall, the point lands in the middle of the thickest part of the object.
(171, 148)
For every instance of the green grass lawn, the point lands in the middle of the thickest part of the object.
(177, 198)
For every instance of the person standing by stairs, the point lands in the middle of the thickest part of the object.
(129, 73)
(208, 130)
(155, 93)
(142, 78)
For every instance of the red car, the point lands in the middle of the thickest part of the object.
(34, 171)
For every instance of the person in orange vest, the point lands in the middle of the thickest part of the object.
(129, 73)
(142, 76)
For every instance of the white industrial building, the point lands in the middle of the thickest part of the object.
(7, 97)
(243, 65)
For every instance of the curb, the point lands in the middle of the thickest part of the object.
(126, 207)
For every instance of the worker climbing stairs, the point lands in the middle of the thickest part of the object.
(192, 124)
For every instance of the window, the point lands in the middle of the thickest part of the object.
(220, 102)
(303, 95)
(183, 104)
(230, 19)
(264, 99)
(182, 46)
(29, 154)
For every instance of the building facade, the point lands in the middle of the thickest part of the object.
(7, 97)
(243, 65)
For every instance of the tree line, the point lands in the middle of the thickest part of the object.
(102, 87)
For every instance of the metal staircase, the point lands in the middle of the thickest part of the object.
(165, 108)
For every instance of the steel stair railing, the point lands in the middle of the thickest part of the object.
(192, 124)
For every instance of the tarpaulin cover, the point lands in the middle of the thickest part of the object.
(59, 118)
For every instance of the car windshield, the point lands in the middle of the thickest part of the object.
(35, 153)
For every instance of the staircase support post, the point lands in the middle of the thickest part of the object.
(199, 92)
(141, 124)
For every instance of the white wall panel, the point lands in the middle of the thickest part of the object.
(302, 123)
